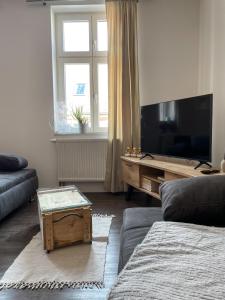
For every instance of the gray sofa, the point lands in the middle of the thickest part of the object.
(181, 257)
(16, 188)
(199, 200)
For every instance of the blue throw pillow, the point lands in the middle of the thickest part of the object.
(12, 163)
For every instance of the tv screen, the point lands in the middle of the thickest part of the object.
(181, 128)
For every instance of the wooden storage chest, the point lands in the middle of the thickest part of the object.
(63, 224)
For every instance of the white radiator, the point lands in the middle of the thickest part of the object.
(81, 160)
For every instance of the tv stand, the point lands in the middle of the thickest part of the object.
(202, 163)
(147, 155)
(147, 175)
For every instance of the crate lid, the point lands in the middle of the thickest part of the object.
(61, 198)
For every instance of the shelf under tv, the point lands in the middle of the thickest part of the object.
(147, 175)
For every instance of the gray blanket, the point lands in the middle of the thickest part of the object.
(175, 261)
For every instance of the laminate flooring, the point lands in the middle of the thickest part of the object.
(18, 229)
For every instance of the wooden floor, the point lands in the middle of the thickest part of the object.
(17, 230)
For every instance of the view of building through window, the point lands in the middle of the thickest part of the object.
(82, 72)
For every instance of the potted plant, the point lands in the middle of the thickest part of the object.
(78, 115)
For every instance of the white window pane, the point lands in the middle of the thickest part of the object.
(77, 90)
(102, 36)
(103, 95)
(76, 36)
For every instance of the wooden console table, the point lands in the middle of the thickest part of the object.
(146, 175)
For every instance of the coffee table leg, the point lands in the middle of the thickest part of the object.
(49, 243)
(87, 237)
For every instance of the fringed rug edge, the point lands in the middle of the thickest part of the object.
(52, 285)
(103, 216)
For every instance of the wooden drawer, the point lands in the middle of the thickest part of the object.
(131, 173)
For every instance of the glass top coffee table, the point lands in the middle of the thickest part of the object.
(65, 217)
(61, 198)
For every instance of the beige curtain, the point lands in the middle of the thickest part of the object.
(124, 108)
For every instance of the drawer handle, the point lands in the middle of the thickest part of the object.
(75, 215)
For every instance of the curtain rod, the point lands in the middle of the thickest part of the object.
(44, 2)
(122, 0)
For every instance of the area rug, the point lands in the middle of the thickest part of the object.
(78, 266)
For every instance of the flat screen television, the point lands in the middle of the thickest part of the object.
(180, 128)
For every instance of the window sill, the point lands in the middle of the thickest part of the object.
(70, 138)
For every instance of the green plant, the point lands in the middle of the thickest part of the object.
(78, 115)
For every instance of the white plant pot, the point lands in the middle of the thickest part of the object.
(82, 128)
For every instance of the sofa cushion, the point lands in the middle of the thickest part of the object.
(131, 239)
(199, 200)
(12, 162)
(17, 195)
(141, 217)
(10, 179)
(136, 223)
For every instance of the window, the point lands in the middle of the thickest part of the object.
(81, 79)
(167, 111)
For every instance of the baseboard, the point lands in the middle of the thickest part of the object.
(90, 187)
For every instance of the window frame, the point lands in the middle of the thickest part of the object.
(71, 17)
(93, 57)
(61, 78)
(95, 18)
(97, 60)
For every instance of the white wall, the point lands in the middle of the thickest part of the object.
(212, 67)
(219, 79)
(205, 84)
(182, 53)
(26, 97)
(168, 40)
(168, 49)
(26, 86)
